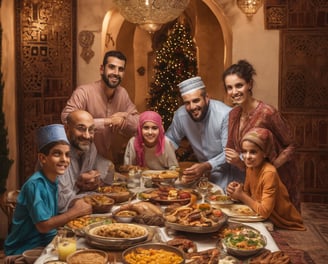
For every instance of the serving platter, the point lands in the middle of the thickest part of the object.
(167, 195)
(198, 229)
(241, 212)
(109, 234)
(166, 177)
(119, 246)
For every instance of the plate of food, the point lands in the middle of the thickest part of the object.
(243, 240)
(127, 168)
(101, 203)
(153, 253)
(108, 234)
(241, 212)
(77, 225)
(166, 195)
(161, 176)
(217, 197)
(200, 218)
(119, 192)
(120, 246)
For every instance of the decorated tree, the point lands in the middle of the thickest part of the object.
(175, 62)
(4, 160)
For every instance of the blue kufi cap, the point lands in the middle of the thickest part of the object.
(50, 133)
(191, 85)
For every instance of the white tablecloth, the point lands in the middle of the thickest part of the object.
(203, 241)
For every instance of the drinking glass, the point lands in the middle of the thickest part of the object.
(66, 244)
(202, 187)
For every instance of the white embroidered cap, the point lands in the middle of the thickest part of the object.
(50, 133)
(190, 85)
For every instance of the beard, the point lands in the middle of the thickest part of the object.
(204, 111)
(76, 143)
(107, 81)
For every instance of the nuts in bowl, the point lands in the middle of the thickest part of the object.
(101, 203)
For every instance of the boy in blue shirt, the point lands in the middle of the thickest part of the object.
(36, 214)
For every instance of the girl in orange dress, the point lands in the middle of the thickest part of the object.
(263, 190)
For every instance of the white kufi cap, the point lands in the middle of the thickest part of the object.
(190, 85)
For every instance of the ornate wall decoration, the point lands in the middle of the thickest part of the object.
(304, 70)
(303, 95)
(284, 14)
(45, 63)
(86, 39)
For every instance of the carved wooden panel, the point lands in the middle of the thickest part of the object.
(287, 14)
(303, 100)
(45, 63)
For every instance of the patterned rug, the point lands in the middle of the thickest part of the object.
(296, 255)
(308, 246)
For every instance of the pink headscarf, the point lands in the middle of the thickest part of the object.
(139, 144)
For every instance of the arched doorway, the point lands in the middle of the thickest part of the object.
(212, 35)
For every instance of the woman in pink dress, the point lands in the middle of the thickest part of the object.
(250, 112)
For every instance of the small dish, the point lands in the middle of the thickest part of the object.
(31, 255)
(124, 216)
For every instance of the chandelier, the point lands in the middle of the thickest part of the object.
(249, 7)
(150, 15)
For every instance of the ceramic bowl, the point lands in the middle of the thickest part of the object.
(87, 256)
(153, 247)
(32, 255)
(101, 203)
(124, 216)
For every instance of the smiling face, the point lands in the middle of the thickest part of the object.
(80, 130)
(237, 89)
(56, 162)
(252, 154)
(150, 132)
(196, 104)
(112, 73)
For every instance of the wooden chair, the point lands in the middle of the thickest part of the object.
(8, 204)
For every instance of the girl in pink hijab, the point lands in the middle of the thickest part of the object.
(150, 148)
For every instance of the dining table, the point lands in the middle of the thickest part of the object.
(162, 234)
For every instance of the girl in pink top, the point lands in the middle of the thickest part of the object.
(150, 147)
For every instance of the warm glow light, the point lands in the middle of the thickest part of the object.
(150, 15)
(249, 7)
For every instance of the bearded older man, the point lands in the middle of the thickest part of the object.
(87, 170)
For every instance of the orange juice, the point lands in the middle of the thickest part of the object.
(65, 247)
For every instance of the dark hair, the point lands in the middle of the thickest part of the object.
(113, 53)
(243, 69)
(46, 149)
